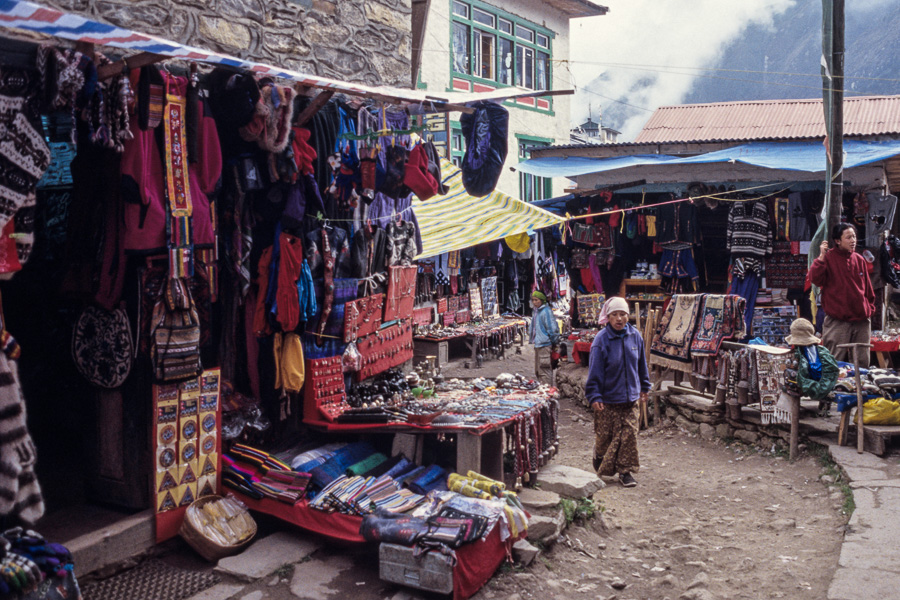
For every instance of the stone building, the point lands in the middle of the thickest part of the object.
(362, 41)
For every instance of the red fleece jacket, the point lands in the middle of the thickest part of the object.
(847, 292)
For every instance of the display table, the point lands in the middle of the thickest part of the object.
(479, 449)
(492, 334)
(883, 349)
(437, 347)
(475, 562)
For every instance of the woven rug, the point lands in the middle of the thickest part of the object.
(672, 346)
(151, 579)
(721, 318)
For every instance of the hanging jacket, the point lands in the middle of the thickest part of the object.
(340, 249)
(144, 181)
(401, 243)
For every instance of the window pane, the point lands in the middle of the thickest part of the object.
(506, 61)
(520, 64)
(542, 71)
(529, 68)
(461, 9)
(505, 26)
(484, 54)
(479, 16)
(525, 34)
(543, 40)
(461, 48)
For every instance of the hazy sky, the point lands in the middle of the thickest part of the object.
(657, 35)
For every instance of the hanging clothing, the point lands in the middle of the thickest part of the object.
(748, 229)
(879, 218)
(339, 249)
(677, 225)
(401, 243)
(306, 294)
(747, 287)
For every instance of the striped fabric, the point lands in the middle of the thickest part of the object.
(457, 220)
(34, 17)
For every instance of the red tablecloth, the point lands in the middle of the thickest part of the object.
(475, 562)
(885, 346)
(579, 349)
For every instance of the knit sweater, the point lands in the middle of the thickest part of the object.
(748, 229)
(847, 293)
(20, 493)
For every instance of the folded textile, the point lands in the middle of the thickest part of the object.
(304, 462)
(401, 468)
(411, 476)
(384, 467)
(365, 465)
(335, 466)
(430, 479)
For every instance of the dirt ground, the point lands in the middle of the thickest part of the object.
(707, 521)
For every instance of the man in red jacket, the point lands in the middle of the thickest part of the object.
(847, 296)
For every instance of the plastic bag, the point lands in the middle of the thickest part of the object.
(881, 411)
(351, 361)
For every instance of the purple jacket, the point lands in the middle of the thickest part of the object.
(618, 368)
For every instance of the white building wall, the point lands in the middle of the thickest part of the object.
(436, 75)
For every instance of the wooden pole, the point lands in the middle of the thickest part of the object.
(795, 427)
(860, 431)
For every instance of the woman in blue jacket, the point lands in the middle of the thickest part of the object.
(544, 334)
(617, 380)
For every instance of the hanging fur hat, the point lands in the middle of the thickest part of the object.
(271, 123)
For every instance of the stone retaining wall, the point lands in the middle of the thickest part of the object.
(691, 414)
(363, 41)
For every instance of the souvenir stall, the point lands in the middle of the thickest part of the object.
(223, 257)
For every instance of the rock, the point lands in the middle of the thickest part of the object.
(680, 533)
(569, 481)
(701, 580)
(257, 595)
(668, 580)
(826, 479)
(683, 553)
(532, 498)
(697, 594)
(265, 556)
(618, 584)
(750, 437)
(524, 553)
(546, 529)
(724, 430)
(642, 544)
(275, 580)
(707, 431)
(782, 524)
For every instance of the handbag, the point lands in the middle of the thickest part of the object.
(102, 347)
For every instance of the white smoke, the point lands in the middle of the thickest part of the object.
(660, 35)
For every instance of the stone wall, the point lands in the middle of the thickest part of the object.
(691, 414)
(362, 41)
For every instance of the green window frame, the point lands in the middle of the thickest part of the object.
(457, 143)
(532, 187)
(489, 45)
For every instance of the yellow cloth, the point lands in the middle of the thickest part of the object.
(290, 370)
(651, 226)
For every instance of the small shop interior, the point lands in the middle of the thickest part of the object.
(211, 282)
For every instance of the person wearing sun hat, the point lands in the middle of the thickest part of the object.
(618, 378)
(544, 334)
(816, 371)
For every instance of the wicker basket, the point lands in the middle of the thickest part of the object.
(205, 547)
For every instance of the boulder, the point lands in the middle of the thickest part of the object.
(569, 481)
(707, 431)
(750, 437)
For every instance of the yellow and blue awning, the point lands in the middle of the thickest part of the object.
(457, 220)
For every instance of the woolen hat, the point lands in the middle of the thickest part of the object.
(540, 296)
(802, 334)
(416, 176)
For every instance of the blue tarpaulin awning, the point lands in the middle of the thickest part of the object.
(789, 156)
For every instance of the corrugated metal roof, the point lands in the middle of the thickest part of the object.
(768, 120)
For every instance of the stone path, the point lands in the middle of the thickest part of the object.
(868, 566)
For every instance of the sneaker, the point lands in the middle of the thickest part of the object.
(627, 480)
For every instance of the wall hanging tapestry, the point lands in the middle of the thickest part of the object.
(672, 346)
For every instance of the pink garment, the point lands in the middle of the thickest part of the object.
(595, 273)
(144, 181)
(289, 265)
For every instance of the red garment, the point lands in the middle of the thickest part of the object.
(847, 293)
(289, 266)
(145, 182)
(260, 323)
(304, 154)
(587, 279)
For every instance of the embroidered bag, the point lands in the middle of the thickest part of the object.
(175, 334)
(101, 346)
